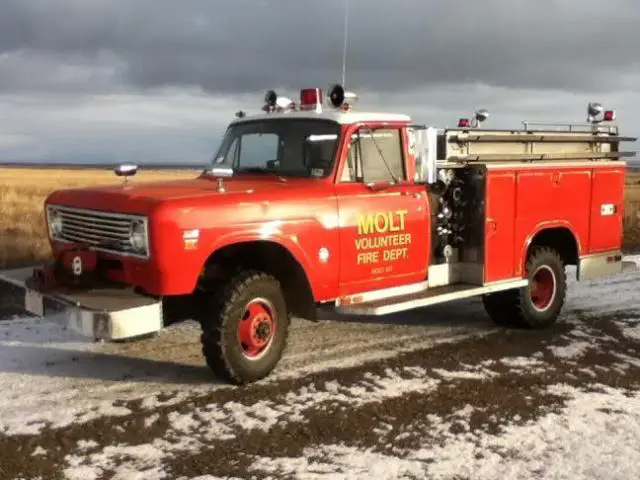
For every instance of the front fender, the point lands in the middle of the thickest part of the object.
(289, 242)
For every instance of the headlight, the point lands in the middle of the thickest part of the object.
(138, 236)
(55, 222)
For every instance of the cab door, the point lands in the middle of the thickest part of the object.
(384, 218)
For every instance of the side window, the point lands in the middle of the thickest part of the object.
(256, 149)
(374, 155)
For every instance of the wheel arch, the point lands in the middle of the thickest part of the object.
(559, 236)
(271, 257)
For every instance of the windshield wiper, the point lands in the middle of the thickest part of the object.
(255, 170)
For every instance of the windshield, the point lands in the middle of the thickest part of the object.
(287, 147)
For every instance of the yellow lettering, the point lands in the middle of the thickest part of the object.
(401, 214)
(367, 257)
(382, 222)
(385, 222)
(395, 254)
(387, 247)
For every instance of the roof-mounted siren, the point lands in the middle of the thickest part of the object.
(311, 99)
(274, 103)
(478, 117)
(595, 109)
(339, 98)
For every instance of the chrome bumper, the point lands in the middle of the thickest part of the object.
(102, 314)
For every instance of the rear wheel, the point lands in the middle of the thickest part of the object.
(537, 305)
(245, 327)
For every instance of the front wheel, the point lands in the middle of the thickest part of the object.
(245, 327)
(537, 305)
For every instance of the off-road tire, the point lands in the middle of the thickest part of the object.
(517, 308)
(501, 307)
(220, 316)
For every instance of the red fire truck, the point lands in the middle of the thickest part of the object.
(307, 204)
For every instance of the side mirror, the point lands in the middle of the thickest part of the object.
(126, 171)
(221, 171)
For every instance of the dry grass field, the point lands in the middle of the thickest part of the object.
(632, 211)
(22, 193)
(22, 231)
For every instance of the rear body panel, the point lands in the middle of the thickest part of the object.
(585, 198)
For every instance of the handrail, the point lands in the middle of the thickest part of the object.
(574, 127)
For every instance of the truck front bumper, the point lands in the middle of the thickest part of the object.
(109, 313)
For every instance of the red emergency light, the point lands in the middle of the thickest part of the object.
(609, 115)
(463, 123)
(310, 98)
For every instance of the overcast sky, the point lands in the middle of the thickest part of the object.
(157, 80)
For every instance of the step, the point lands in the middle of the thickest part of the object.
(431, 296)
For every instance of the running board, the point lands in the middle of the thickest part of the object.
(431, 296)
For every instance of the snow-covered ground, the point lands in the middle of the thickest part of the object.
(381, 398)
(596, 436)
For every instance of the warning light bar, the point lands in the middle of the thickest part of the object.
(479, 116)
(595, 109)
(311, 99)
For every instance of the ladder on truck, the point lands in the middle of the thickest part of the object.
(567, 142)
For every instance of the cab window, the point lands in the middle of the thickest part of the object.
(375, 155)
(285, 146)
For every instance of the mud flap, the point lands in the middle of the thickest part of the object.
(108, 313)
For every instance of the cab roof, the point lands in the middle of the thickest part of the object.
(343, 118)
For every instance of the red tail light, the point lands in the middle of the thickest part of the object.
(609, 115)
(463, 123)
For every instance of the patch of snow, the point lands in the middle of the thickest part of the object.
(632, 332)
(38, 451)
(574, 350)
(634, 361)
(586, 440)
(338, 462)
(135, 462)
(214, 422)
(521, 362)
(594, 437)
(460, 374)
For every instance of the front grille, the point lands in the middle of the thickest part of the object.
(106, 231)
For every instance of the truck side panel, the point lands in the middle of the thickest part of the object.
(543, 198)
(607, 204)
(552, 198)
(499, 226)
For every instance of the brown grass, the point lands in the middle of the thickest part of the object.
(632, 211)
(22, 193)
(23, 190)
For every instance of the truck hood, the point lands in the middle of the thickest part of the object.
(143, 197)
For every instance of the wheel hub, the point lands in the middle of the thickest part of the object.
(256, 328)
(263, 330)
(543, 288)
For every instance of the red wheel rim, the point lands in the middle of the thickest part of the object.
(256, 328)
(543, 288)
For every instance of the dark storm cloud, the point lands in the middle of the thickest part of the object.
(241, 46)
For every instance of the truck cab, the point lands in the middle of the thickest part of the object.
(367, 213)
